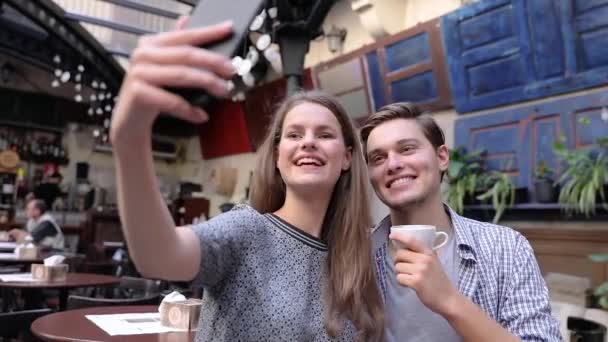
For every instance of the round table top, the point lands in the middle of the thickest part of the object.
(73, 280)
(72, 325)
(8, 258)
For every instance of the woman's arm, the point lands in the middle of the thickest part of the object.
(171, 59)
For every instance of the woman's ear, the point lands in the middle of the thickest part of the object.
(348, 158)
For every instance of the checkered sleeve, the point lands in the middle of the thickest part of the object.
(526, 311)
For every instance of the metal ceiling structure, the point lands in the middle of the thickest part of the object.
(94, 39)
(91, 39)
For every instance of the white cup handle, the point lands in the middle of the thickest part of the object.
(445, 239)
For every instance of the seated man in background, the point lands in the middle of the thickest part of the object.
(49, 190)
(45, 232)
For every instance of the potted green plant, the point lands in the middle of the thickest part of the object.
(462, 177)
(544, 187)
(499, 189)
(599, 296)
(584, 178)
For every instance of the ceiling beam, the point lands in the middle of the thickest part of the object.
(106, 23)
(188, 2)
(144, 8)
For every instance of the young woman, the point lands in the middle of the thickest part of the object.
(294, 266)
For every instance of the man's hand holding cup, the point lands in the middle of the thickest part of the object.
(418, 267)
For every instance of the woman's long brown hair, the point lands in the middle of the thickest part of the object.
(351, 291)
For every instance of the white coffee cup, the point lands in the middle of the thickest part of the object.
(423, 233)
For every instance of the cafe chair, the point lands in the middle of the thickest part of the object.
(79, 302)
(132, 287)
(16, 324)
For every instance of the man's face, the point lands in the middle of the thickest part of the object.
(31, 211)
(404, 167)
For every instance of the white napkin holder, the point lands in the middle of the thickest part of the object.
(179, 313)
(53, 269)
(27, 250)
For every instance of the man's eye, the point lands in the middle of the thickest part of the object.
(376, 159)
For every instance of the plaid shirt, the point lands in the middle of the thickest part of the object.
(497, 271)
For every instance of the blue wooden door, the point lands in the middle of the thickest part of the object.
(517, 139)
(409, 66)
(506, 51)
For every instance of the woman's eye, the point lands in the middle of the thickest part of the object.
(293, 135)
(326, 136)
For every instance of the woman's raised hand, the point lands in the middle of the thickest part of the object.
(169, 60)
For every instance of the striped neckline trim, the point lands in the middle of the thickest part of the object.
(297, 233)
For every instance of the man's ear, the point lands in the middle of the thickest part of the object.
(443, 157)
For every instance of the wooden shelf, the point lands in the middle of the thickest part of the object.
(533, 212)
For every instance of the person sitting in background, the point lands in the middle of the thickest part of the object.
(49, 190)
(41, 226)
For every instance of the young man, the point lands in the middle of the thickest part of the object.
(483, 285)
(45, 232)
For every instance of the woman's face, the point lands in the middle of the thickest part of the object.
(311, 151)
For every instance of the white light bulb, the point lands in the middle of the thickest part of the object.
(248, 80)
(108, 108)
(257, 22)
(272, 12)
(102, 85)
(78, 98)
(80, 67)
(95, 85)
(78, 87)
(96, 133)
(263, 42)
(65, 76)
(230, 86)
(106, 123)
(55, 84)
(93, 98)
(90, 111)
(78, 77)
(237, 61)
(58, 72)
(99, 111)
(57, 59)
(245, 67)
(101, 96)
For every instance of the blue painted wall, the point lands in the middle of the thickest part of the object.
(518, 139)
(501, 52)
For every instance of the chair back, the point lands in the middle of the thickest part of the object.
(131, 287)
(79, 302)
(16, 322)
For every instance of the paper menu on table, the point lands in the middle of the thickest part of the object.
(130, 323)
(7, 245)
(17, 277)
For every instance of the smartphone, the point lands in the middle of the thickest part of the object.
(210, 12)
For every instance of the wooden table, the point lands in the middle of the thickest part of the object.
(72, 325)
(72, 281)
(10, 258)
